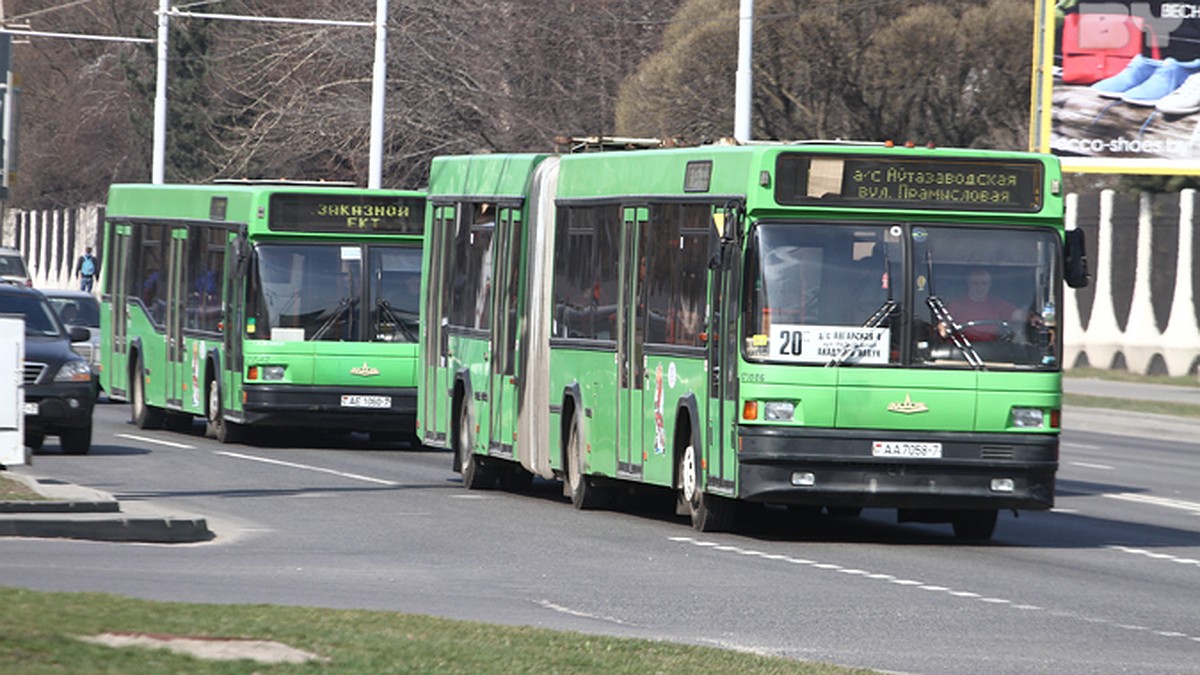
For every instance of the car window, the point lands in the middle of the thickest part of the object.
(12, 265)
(77, 311)
(39, 318)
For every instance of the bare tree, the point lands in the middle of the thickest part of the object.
(948, 72)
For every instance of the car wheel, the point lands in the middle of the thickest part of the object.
(76, 441)
(34, 439)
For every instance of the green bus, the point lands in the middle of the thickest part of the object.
(768, 323)
(258, 304)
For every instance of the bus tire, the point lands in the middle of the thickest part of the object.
(976, 524)
(580, 487)
(144, 415)
(515, 478)
(217, 426)
(179, 422)
(476, 473)
(709, 513)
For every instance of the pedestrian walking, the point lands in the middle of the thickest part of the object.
(85, 268)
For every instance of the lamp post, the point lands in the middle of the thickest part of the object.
(378, 85)
(160, 98)
(744, 89)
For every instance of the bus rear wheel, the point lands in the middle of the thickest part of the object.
(476, 474)
(581, 488)
(144, 416)
(979, 524)
(709, 513)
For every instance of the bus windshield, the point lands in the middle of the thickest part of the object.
(318, 292)
(946, 296)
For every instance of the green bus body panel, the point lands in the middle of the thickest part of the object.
(641, 444)
(179, 386)
(482, 175)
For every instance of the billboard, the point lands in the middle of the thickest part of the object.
(1117, 85)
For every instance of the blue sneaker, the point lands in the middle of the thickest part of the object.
(1169, 76)
(1136, 72)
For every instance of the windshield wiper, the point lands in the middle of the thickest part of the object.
(880, 315)
(954, 330)
(386, 308)
(343, 307)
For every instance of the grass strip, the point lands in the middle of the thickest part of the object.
(42, 634)
(1133, 405)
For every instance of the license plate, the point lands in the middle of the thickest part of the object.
(31, 409)
(358, 401)
(906, 449)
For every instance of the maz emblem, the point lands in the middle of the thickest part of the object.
(364, 370)
(907, 407)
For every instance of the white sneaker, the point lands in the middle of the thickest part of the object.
(1183, 101)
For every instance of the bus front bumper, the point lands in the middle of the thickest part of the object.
(836, 467)
(340, 408)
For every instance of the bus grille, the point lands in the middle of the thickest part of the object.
(997, 452)
(33, 372)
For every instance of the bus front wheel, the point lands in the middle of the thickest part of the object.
(978, 524)
(218, 427)
(709, 513)
(144, 416)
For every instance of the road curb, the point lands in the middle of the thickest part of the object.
(75, 512)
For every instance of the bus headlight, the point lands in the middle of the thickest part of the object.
(273, 372)
(1028, 418)
(779, 411)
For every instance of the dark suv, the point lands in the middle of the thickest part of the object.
(59, 393)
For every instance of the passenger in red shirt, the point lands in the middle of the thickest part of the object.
(978, 306)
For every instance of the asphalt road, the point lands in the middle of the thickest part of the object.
(1105, 583)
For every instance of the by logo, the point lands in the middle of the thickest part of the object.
(907, 407)
(364, 370)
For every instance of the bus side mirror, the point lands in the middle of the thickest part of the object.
(1075, 268)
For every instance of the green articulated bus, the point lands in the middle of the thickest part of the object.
(794, 324)
(254, 304)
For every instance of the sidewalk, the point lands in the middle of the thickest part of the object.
(77, 512)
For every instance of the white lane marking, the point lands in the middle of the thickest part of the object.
(574, 612)
(306, 467)
(950, 592)
(1089, 465)
(147, 439)
(1180, 504)
(1081, 446)
(1155, 556)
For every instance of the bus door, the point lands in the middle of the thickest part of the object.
(435, 342)
(233, 317)
(119, 257)
(176, 308)
(723, 373)
(631, 333)
(504, 330)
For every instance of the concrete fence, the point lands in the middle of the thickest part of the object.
(1139, 313)
(53, 240)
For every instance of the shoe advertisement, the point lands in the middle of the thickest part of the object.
(1120, 84)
